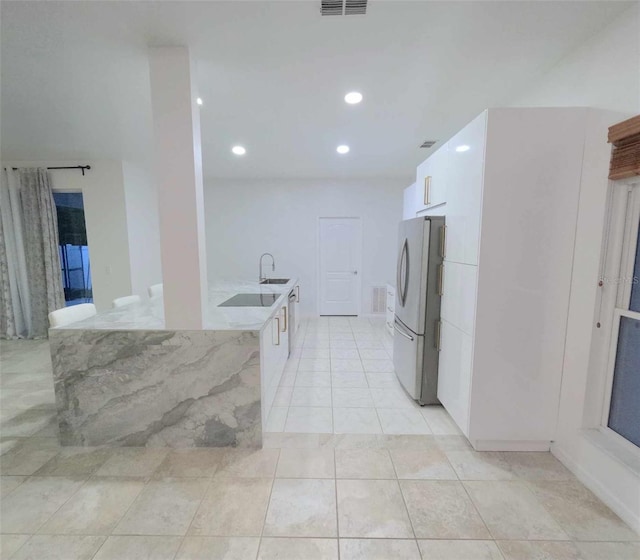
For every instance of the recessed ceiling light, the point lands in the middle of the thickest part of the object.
(342, 149)
(353, 97)
(463, 148)
(199, 100)
(239, 150)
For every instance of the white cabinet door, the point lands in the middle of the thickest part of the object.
(274, 352)
(390, 309)
(454, 374)
(268, 369)
(388, 325)
(297, 309)
(424, 181)
(409, 206)
(464, 195)
(432, 179)
(459, 295)
(282, 341)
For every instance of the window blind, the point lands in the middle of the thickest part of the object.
(625, 155)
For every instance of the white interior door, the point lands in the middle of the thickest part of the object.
(340, 256)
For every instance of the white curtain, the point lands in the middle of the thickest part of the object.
(15, 320)
(30, 275)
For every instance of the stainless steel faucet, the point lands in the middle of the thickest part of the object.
(273, 265)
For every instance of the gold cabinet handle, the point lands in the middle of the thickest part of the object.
(427, 190)
(298, 294)
(285, 318)
(278, 320)
(438, 335)
(443, 241)
(441, 280)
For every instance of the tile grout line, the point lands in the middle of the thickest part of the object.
(266, 511)
(335, 485)
(102, 545)
(527, 484)
(61, 505)
(333, 429)
(195, 513)
(404, 501)
(146, 482)
(475, 507)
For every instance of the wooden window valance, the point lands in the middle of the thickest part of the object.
(625, 156)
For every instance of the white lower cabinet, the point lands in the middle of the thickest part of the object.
(390, 310)
(274, 353)
(296, 303)
(454, 374)
(459, 295)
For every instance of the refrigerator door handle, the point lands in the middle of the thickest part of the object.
(403, 266)
(398, 275)
(395, 326)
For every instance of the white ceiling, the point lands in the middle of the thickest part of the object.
(273, 75)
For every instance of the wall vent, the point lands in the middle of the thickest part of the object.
(343, 7)
(379, 299)
(428, 143)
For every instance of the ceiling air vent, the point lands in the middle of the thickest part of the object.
(355, 7)
(428, 143)
(343, 7)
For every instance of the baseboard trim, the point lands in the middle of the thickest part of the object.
(611, 500)
(509, 445)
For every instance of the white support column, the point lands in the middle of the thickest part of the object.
(178, 174)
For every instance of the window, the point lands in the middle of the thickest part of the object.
(622, 395)
(74, 252)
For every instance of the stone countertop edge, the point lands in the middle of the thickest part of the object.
(149, 318)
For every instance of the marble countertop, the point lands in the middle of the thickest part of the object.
(149, 315)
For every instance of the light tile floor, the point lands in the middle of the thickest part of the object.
(305, 496)
(340, 379)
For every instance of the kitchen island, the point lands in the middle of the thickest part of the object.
(123, 379)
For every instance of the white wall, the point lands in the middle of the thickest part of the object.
(143, 227)
(605, 73)
(579, 442)
(247, 218)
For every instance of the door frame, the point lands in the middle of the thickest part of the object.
(358, 259)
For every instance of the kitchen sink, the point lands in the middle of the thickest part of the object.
(275, 280)
(251, 300)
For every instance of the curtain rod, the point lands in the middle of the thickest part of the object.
(80, 167)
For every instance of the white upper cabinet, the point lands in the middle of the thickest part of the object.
(464, 196)
(409, 206)
(431, 180)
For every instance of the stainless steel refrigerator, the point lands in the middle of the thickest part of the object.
(416, 343)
